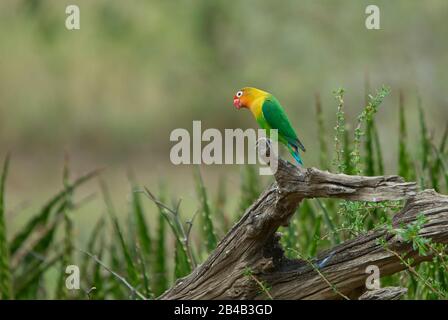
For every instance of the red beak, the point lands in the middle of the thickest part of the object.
(236, 102)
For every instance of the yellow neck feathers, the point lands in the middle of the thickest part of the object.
(253, 100)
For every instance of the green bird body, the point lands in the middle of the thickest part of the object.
(269, 114)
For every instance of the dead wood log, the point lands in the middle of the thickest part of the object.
(253, 242)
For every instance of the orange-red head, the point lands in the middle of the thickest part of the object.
(248, 97)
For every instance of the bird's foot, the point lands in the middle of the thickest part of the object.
(277, 189)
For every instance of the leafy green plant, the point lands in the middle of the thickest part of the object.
(405, 169)
(410, 233)
(206, 221)
(263, 286)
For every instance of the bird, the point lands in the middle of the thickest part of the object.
(269, 114)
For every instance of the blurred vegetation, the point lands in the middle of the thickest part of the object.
(135, 72)
(111, 93)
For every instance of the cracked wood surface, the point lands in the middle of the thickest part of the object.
(254, 243)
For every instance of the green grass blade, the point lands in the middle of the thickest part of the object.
(425, 152)
(365, 118)
(250, 186)
(316, 237)
(41, 218)
(34, 259)
(289, 238)
(143, 232)
(67, 256)
(368, 145)
(405, 169)
(98, 279)
(181, 264)
(340, 134)
(36, 246)
(32, 256)
(61, 291)
(32, 278)
(307, 217)
(93, 279)
(424, 139)
(322, 134)
(207, 228)
(220, 205)
(328, 221)
(172, 216)
(114, 289)
(428, 163)
(371, 133)
(130, 266)
(144, 273)
(379, 152)
(94, 238)
(440, 154)
(5, 271)
(347, 151)
(444, 140)
(160, 267)
(441, 159)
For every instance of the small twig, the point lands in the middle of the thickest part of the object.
(31, 242)
(262, 286)
(440, 254)
(177, 207)
(326, 215)
(415, 273)
(157, 202)
(187, 238)
(190, 224)
(122, 279)
(332, 286)
(84, 201)
(348, 229)
(177, 226)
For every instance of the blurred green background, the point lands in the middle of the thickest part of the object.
(110, 93)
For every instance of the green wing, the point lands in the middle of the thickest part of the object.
(276, 117)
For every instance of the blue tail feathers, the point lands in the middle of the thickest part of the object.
(297, 157)
(295, 153)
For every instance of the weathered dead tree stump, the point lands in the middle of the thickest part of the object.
(254, 243)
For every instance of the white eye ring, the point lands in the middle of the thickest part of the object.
(239, 94)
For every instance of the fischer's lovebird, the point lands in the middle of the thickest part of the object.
(270, 115)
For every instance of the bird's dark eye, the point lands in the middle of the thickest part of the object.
(239, 94)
